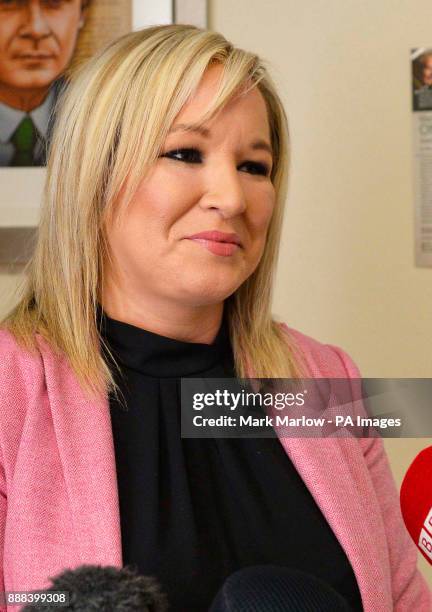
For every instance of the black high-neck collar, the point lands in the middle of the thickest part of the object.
(160, 356)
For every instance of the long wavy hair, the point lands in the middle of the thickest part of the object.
(111, 123)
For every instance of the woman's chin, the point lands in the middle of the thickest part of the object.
(205, 295)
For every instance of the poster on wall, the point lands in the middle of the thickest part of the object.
(421, 83)
(39, 46)
(41, 43)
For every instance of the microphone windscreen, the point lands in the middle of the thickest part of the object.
(94, 588)
(416, 502)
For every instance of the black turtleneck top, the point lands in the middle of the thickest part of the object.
(195, 510)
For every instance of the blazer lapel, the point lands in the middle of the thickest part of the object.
(329, 469)
(334, 472)
(84, 437)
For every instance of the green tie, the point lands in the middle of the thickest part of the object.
(24, 139)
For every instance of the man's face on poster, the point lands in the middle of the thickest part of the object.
(427, 70)
(37, 40)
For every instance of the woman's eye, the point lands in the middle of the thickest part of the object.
(194, 156)
(257, 168)
(190, 156)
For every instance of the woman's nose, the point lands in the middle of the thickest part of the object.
(224, 191)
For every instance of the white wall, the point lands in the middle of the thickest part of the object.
(8, 284)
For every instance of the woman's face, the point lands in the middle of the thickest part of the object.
(213, 181)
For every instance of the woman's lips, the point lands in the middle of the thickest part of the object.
(35, 57)
(225, 249)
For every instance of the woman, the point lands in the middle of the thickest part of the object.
(157, 245)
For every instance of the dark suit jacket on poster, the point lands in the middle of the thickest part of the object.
(43, 120)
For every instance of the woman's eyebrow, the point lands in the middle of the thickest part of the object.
(256, 145)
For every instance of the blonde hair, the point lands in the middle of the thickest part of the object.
(111, 123)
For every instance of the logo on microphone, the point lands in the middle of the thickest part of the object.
(425, 539)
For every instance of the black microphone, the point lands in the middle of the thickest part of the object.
(93, 588)
(265, 588)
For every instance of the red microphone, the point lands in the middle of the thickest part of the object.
(416, 502)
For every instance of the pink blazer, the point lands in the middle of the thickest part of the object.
(58, 490)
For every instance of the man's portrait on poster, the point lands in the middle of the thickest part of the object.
(37, 42)
(422, 79)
